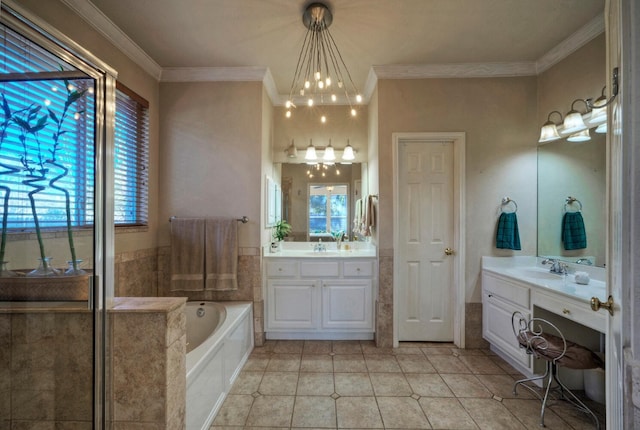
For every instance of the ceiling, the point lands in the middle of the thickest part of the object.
(269, 33)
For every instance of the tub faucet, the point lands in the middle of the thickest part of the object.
(556, 266)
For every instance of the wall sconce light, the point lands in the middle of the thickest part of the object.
(581, 136)
(549, 130)
(310, 156)
(573, 121)
(291, 151)
(348, 154)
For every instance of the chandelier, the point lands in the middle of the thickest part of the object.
(321, 75)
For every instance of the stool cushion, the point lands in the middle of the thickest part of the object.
(550, 347)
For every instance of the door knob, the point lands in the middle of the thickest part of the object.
(596, 304)
(449, 251)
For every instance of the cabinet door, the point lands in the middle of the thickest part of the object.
(347, 304)
(497, 328)
(292, 304)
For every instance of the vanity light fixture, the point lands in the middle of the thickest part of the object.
(348, 154)
(573, 121)
(329, 156)
(291, 151)
(549, 130)
(321, 74)
(598, 110)
(310, 156)
(602, 128)
(581, 136)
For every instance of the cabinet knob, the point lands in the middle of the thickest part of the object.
(357, 269)
(279, 269)
(449, 251)
(566, 311)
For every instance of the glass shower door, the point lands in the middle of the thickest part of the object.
(52, 300)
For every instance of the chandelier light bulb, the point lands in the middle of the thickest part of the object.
(353, 112)
(307, 84)
(287, 104)
(320, 84)
(323, 119)
(359, 98)
(340, 84)
(288, 114)
(333, 97)
(317, 76)
(328, 81)
(310, 102)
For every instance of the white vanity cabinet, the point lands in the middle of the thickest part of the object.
(319, 298)
(501, 297)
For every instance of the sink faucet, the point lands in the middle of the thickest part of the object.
(319, 247)
(584, 261)
(556, 266)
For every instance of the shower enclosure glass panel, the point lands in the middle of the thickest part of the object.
(52, 319)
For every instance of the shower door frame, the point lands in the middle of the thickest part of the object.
(101, 296)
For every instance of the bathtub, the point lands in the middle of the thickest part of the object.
(219, 341)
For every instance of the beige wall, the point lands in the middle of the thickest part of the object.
(210, 161)
(499, 118)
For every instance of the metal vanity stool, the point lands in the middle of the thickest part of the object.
(544, 340)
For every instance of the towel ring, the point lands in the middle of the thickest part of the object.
(506, 201)
(570, 201)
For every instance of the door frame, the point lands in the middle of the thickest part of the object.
(458, 294)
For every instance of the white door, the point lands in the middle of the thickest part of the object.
(425, 233)
(618, 207)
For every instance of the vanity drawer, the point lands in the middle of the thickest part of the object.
(358, 269)
(318, 269)
(506, 290)
(282, 269)
(572, 310)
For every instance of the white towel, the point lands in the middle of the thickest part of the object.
(187, 254)
(357, 217)
(221, 254)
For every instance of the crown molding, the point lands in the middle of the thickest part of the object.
(462, 70)
(98, 20)
(584, 35)
(213, 74)
(90, 13)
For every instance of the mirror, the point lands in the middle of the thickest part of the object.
(296, 180)
(576, 169)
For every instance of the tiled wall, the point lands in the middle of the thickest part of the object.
(146, 273)
(46, 373)
(149, 364)
(384, 304)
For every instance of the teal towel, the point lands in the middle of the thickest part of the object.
(508, 236)
(574, 235)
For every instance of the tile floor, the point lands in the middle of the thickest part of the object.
(354, 385)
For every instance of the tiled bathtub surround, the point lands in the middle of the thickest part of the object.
(149, 367)
(355, 385)
(136, 273)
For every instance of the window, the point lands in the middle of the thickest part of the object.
(47, 143)
(327, 209)
(131, 158)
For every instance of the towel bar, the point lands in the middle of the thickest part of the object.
(243, 220)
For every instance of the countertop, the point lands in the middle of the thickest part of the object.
(305, 250)
(531, 271)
